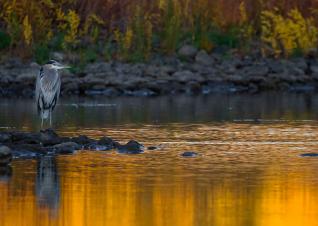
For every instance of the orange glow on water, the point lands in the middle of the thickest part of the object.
(255, 177)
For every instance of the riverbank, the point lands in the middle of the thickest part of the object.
(191, 72)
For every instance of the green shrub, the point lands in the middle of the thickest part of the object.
(41, 53)
(5, 40)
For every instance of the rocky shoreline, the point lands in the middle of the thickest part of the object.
(191, 72)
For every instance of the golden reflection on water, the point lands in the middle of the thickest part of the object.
(246, 174)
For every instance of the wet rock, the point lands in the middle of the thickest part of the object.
(189, 154)
(132, 147)
(82, 140)
(5, 155)
(49, 137)
(25, 138)
(103, 144)
(203, 58)
(187, 51)
(256, 71)
(186, 76)
(66, 148)
(5, 137)
(107, 141)
(309, 155)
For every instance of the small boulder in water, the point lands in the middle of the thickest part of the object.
(82, 139)
(132, 147)
(309, 155)
(49, 137)
(189, 154)
(106, 141)
(5, 155)
(66, 148)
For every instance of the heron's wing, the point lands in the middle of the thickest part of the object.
(50, 85)
(38, 90)
(57, 88)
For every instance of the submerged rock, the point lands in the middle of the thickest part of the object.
(152, 148)
(309, 155)
(132, 147)
(5, 155)
(82, 139)
(66, 148)
(189, 154)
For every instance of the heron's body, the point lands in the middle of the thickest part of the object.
(47, 89)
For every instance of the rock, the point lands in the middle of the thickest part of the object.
(66, 148)
(5, 137)
(309, 155)
(28, 150)
(103, 144)
(25, 138)
(256, 71)
(203, 58)
(187, 51)
(132, 147)
(189, 154)
(82, 140)
(152, 148)
(98, 67)
(186, 76)
(49, 137)
(58, 56)
(276, 67)
(300, 63)
(5, 155)
(106, 141)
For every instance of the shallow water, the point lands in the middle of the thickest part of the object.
(248, 172)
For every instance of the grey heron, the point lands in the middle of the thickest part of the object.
(47, 89)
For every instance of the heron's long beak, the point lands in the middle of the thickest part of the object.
(61, 66)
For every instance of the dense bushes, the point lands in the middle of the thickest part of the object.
(134, 29)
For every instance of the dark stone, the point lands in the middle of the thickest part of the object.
(189, 154)
(132, 147)
(106, 141)
(25, 138)
(49, 137)
(99, 147)
(187, 51)
(66, 148)
(5, 137)
(309, 155)
(5, 155)
(82, 139)
(152, 148)
(204, 59)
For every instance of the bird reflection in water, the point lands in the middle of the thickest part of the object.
(47, 184)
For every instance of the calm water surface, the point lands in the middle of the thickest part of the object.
(249, 171)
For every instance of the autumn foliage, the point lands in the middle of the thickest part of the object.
(133, 29)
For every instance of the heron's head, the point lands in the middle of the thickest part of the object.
(52, 64)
